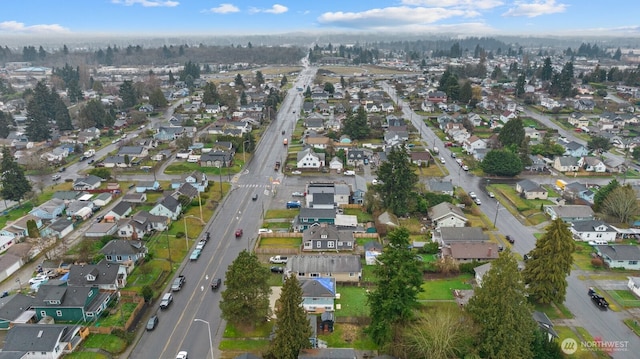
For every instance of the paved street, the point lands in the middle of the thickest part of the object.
(606, 325)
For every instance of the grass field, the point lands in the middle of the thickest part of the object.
(625, 298)
(353, 302)
(85, 355)
(280, 213)
(109, 343)
(280, 242)
(363, 216)
(442, 289)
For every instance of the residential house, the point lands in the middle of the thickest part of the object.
(104, 275)
(12, 310)
(186, 190)
(322, 201)
(531, 190)
(437, 97)
(118, 161)
(592, 164)
(100, 230)
(427, 106)
(508, 115)
(566, 164)
(394, 138)
(133, 228)
(545, 325)
(49, 341)
(440, 186)
(578, 119)
(344, 268)
(577, 190)
(575, 149)
(569, 213)
(307, 158)
(634, 285)
(448, 235)
(464, 252)
(60, 228)
(420, 158)
(121, 210)
(620, 256)
(168, 133)
(134, 197)
(584, 104)
(144, 186)
(336, 164)
(123, 251)
(473, 143)
(446, 214)
(332, 353)
(532, 133)
(340, 191)
(72, 303)
(156, 223)
(197, 179)
(318, 294)
(19, 228)
(168, 207)
(87, 183)
(50, 209)
(310, 216)
(314, 123)
(327, 238)
(480, 271)
(133, 151)
(318, 141)
(356, 157)
(217, 159)
(593, 230)
(539, 163)
(102, 199)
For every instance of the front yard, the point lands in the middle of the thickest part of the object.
(442, 289)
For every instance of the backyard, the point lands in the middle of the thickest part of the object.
(442, 289)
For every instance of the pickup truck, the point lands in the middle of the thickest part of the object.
(278, 260)
(178, 283)
(598, 300)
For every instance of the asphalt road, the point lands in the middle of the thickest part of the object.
(177, 329)
(606, 325)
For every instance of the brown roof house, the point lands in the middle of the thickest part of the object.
(471, 251)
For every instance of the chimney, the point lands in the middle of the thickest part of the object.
(490, 251)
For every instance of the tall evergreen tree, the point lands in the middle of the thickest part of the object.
(239, 81)
(398, 280)
(259, 78)
(7, 124)
(210, 94)
(466, 92)
(512, 134)
(292, 326)
(398, 181)
(355, 125)
(61, 113)
(546, 271)
(15, 184)
(284, 80)
(501, 310)
(39, 113)
(245, 301)
(128, 94)
(547, 70)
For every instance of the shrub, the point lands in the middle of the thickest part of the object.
(597, 262)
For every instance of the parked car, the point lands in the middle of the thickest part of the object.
(178, 283)
(477, 201)
(201, 244)
(510, 240)
(472, 195)
(238, 232)
(492, 195)
(277, 269)
(296, 172)
(442, 160)
(182, 355)
(598, 300)
(297, 194)
(40, 278)
(167, 298)
(195, 254)
(264, 230)
(56, 177)
(152, 322)
(216, 283)
(294, 204)
(465, 167)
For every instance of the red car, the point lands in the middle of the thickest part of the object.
(238, 232)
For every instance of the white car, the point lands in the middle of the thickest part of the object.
(264, 230)
(477, 201)
(472, 195)
(442, 160)
(40, 278)
(297, 194)
(376, 181)
(182, 354)
(296, 172)
(492, 195)
(465, 167)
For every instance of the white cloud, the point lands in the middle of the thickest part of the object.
(535, 8)
(392, 16)
(147, 3)
(224, 9)
(277, 9)
(19, 27)
(475, 4)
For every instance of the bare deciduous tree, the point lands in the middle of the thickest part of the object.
(621, 204)
(441, 334)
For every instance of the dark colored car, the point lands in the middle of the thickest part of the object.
(277, 269)
(215, 285)
(152, 322)
(255, 197)
(510, 240)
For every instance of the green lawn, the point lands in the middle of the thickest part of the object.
(363, 216)
(348, 336)
(280, 242)
(261, 331)
(107, 342)
(353, 302)
(15, 213)
(625, 298)
(442, 289)
(554, 311)
(119, 317)
(85, 355)
(280, 213)
(244, 344)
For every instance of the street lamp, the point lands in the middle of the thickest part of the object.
(495, 219)
(209, 329)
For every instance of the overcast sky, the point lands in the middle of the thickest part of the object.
(470, 17)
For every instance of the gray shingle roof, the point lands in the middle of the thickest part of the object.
(620, 252)
(35, 338)
(324, 264)
(463, 234)
(124, 247)
(442, 209)
(107, 274)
